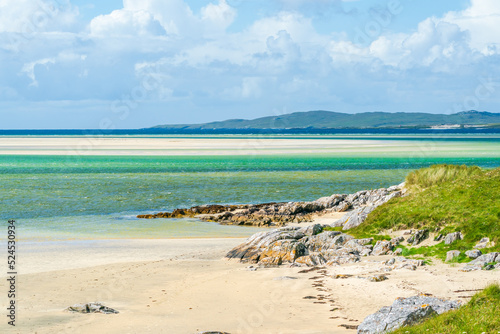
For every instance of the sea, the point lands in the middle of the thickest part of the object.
(75, 197)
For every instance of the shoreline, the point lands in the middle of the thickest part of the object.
(190, 287)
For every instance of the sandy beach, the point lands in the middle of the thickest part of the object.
(265, 145)
(186, 286)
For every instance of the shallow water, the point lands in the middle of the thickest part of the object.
(98, 196)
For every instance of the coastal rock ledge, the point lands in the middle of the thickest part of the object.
(280, 214)
(311, 246)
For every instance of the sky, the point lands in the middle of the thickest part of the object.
(72, 64)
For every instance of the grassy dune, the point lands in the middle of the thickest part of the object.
(444, 199)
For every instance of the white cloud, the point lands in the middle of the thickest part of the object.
(29, 69)
(33, 16)
(219, 16)
(482, 21)
(126, 22)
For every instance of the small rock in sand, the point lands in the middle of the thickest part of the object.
(91, 308)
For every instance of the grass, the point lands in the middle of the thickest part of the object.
(480, 315)
(444, 198)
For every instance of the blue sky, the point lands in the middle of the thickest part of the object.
(131, 64)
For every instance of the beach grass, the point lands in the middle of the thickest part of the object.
(479, 315)
(443, 199)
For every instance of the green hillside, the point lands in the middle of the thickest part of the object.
(444, 198)
(321, 119)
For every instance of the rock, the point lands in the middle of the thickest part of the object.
(91, 308)
(382, 248)
(356, 217)
(482, 261)
(398, 251)
(452, 237)
(405, 312)
(474, 254)
(390, 262)
(418, 237)
(438, 237)
(312, 230)
(484, 243)
(451, 255)
(401, 262)
(396, 241)
(377, 278)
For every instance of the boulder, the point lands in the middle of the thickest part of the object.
(474, 254)
(418, 237)
(405, 312)
(451, 255)
(91, 308)
(482, 261)
(484, 243)
(452, 237)
(382, 248)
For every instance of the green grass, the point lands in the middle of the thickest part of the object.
(443, 198)
(480, 315)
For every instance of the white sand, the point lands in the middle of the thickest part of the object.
(171, 145)
(184, 286)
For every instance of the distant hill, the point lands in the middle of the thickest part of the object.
(321, 119)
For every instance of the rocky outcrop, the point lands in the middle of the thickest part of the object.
(308, 246)
(452, 237)
(91, 308)
(280, 214)
(418, 237)
(364, 202)
(192, 212)
(484, 262)
(405, 312)
(311, 246)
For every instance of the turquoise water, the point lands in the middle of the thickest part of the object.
(68, 197)
(58, 186)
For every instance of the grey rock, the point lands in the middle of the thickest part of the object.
(396, 241)
(91, 308)
(483, 243)
(482, 262)
(473, 254)
(390, 262)
(356, 217)
(405, 312)
(398, 251)
(452, 255)
(377, 278)
(382, 247)
(452, 237)
(418, 237)
(438, 237)
(311, 230)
